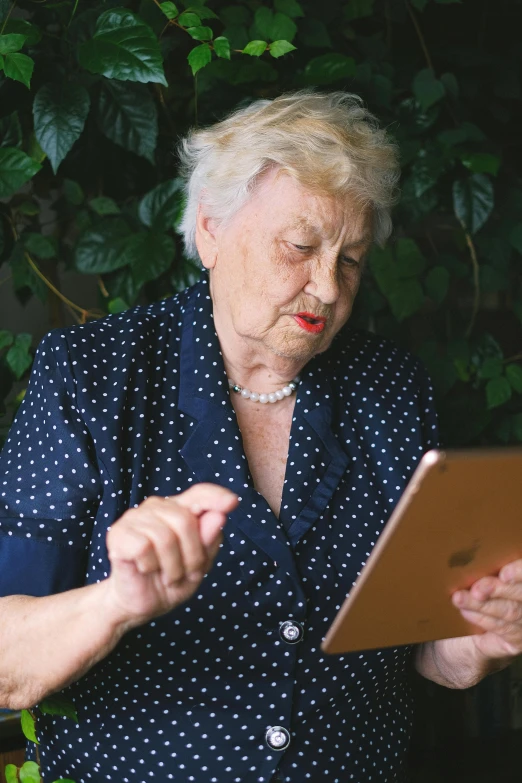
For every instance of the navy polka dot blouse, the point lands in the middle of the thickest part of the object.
(232, 686)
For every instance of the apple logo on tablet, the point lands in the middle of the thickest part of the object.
(464, 556)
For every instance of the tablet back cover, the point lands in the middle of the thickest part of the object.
(459, 519)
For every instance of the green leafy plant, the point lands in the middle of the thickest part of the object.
(29, 772)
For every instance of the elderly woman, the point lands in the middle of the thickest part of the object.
(191, 488)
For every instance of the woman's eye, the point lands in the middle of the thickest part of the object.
(302, 248)
(350, 261)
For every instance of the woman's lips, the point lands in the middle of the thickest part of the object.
(310, 322)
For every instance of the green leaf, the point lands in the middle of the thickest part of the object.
(6, 338)
(514, 376)
(222, 47)
(314, 34)
(153, 255)
(409, 260)
(358, 9)
(199, 57)
(19, 360)
(16, 168)
(255, 48)
(161, 208)
(127, 115)
(104, 248)
(19, 67)
(282, 28)
(59, 112)
(39, 245)
(427, 89)
(118, 305)
(123, 47)
(481, 162)
(73, 192)
(12, 42)
(498, 392)
(289, 7)
(406, 297)
(473, 201)
(279, 48)
(263, 19)
(492, 367)
(169, 9)
(202, 11)
(329, 68)
(436, 283)
(30, 32)
(188, 19)
(59, 705)
(104, 206)
(11, 773)
(451, 84)
(200, 33)
(29, 208)
(27, 720)
(30, 772)
(10, 131)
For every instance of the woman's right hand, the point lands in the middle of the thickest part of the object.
(161, 550)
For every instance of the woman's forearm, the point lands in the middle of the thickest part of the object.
(456, 663)
(47, 643)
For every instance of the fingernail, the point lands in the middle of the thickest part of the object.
(458, 598)
(506, 574)
(195, 576)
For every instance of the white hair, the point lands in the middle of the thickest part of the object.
(328, 141)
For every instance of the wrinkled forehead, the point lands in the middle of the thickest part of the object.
(333, 217)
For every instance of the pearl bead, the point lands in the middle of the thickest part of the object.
(272, 397)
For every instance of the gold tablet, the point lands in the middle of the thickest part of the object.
(460, 518)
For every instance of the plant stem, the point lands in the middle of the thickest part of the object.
(72, 14)
(8, 15)
(476, 280)
(420, 36)
(83, 312)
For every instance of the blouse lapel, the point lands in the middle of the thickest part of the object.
(214, 450)
(316, 460)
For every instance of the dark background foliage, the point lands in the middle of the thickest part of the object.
(93, 98)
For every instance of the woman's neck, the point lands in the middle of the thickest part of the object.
(251, 365)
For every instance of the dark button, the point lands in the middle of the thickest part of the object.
(291, 632)
(277, 738)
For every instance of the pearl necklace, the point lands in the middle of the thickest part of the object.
(280, 394)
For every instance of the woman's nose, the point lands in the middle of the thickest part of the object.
(324, 285)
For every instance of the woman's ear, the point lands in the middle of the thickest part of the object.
(206, 239)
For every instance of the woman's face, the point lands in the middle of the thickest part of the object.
(288, 255)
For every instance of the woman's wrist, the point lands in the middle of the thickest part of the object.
(456, 663)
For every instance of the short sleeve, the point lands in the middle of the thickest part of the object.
(49, 482)
(427, 411)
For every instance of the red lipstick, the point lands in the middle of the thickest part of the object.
(310, 322)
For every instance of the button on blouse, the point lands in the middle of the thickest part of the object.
(137, 404)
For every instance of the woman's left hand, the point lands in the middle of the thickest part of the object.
(494, 604)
